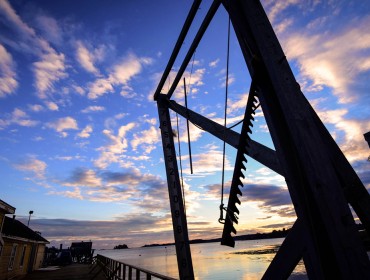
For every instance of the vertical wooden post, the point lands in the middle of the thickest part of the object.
(129, 273)
(179, 223)
(305, 151)
(120, 270)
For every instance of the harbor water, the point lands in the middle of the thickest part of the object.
(248, 260)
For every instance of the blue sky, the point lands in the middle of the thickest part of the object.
(80, 144)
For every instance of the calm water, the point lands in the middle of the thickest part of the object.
(248, 260)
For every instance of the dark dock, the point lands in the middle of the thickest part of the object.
(70, 272)
(102, 268)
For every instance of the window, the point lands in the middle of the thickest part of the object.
(22, 256)
(12, 257)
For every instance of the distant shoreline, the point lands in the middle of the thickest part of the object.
(254, 236)
(259, 236)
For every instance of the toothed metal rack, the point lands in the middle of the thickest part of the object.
(320, 180)
(244, 144)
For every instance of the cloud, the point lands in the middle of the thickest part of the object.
(35, 107)
(65, 231)
(18, 117)
(267, 195)
(62, 124)
(99, 87)
(193, 82)
(363, 171)
(146, 139)
(209, 162)
(348, 132)
(135, 181)
(214, 63)
(49, 70)
(37, 138)
(110, 123)
(112, 153)
(87, 58)
(271, 199)
(86, 132)
(124, 71)
(83, 177)
(8, 82)
(230, 80)
(275, 8)
(139, 191)
(236, 105)
(328, 60)
(10, 15)
(78, 89)
(143, 192)
(146, 119)
(49, 28)
(93, 109)
(21, 118)
(52, 106)
(74, 194)
(121, 74)
(33, 165)
(50, 66)
(195, 132)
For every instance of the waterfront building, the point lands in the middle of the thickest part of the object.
(22, 249)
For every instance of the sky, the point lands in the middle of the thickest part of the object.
(79, 132)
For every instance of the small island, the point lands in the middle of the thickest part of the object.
(123, 246)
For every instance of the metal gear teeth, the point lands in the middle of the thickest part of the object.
(236, 183)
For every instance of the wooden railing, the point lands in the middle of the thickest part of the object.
(117, 270)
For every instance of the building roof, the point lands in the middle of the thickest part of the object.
(13, 228)
(86, 245)
(6, 208)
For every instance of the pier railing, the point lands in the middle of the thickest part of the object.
(117, 270)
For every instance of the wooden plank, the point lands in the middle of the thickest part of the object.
(180, 229)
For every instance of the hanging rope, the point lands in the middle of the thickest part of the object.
(182, 178)
(187, 126)
(222, 208)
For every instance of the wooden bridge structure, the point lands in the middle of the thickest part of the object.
(321, 182)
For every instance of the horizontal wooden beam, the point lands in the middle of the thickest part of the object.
(257, 151)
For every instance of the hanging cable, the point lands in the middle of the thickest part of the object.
(182, 178)
(187, 126)
(169, 81)
(191, 72)
(239, 122)
(222, 208)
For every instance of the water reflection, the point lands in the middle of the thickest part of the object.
(248, 260)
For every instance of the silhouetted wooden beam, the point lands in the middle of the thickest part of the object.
(257, 151)
(354, 190)
(179, 223)
(211, 12)
(179, 42)
(289, 254)
(302, 150)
